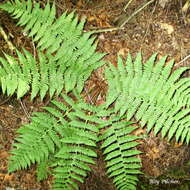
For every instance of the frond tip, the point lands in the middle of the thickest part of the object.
(118, 145)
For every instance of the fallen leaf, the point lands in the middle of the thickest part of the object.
(168, 27)
(176, 145)
(123, 52)
(163, 3)
(8, 177)
(3, 154)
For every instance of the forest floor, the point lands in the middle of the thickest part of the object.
(154, 29)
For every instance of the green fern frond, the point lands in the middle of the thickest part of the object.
(75, 57)
(66, 133)
(118, 145)
(152, 94)
(12, 78)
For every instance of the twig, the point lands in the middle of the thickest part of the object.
(25, 110)
(136, 12)
(186, 7)
(127, 20)
(126, 6)
(4, 101)
(107, 30)
(11, 46)
(148, 27)
(34, 50)
(184, 59)
(88, 96)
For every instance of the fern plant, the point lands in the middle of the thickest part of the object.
(38, 21)
(73, 51)
(64, 136)
(64, 139)
(152, 94)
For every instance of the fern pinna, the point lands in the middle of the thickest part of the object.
(74, 56)
(152, 94)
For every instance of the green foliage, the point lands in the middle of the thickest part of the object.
(41, 76)
(19, 75)
(63, 139)
(43, 169)
(118, 147)
(73, 51)
(64, 134)
(152, 94)
(38, 21)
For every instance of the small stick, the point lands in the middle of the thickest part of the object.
(11, 46)
(136, 12)
(127, 20)
(88, 96)
(24, 109)
(126, 6)
(4, 101)
(107, 30)
(184, 59)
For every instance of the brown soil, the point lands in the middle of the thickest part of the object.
(154, 29)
